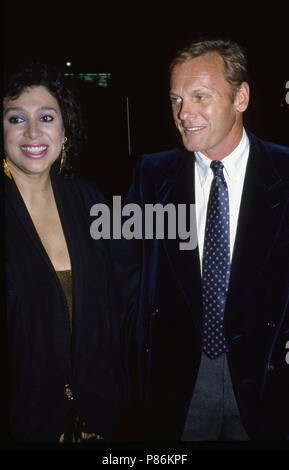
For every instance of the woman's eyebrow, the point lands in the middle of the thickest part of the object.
(13, 108)
(19, 108)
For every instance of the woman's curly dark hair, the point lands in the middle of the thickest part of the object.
(40, 74)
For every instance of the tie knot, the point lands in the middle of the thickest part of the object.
(217, 167)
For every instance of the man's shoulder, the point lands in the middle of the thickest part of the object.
(268, 147)
(276, 153)
(162, 162)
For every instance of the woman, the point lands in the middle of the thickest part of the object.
(66, 322)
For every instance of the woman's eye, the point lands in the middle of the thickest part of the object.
(15, 119)
(46, 118)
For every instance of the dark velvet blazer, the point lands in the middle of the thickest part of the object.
(44, 356)
(169, 325)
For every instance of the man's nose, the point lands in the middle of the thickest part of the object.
(32, 129)
(187, 110)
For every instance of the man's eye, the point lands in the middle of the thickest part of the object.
(201, 97)
(15, 119)
(174, 99)
(46, 118)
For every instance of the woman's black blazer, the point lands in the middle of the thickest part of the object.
(44, 355)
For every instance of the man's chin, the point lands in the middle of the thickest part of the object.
(192, 147)
(192, 144)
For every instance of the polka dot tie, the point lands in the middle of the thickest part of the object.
(216, 264)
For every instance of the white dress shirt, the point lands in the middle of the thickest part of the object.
(234, 172)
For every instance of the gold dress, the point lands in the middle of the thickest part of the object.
(65, 278)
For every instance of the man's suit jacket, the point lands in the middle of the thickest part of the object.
(169, 324)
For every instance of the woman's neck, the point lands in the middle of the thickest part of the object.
(34, 189)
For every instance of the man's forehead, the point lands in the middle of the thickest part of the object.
(203, 69)
(205, 61)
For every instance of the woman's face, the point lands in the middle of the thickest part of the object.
(33, 131)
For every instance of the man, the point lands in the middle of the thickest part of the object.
(213, 322)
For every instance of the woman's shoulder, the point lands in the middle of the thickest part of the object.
(86, 189)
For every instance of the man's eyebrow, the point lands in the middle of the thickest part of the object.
(192, 92)
(19, 108)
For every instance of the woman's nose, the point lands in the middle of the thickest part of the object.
(32, 129)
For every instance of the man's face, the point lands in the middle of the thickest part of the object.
(202, 106)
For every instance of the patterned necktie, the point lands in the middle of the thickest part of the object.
(216, 264)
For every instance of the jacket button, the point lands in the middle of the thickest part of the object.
(155, 311)
(270, 367)
(271, 324)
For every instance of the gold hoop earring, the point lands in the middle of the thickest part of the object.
(63, 157)
(6, 168)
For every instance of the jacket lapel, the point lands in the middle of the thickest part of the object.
(258, 222)
(178, 188)
(67, 206)
(14, 199)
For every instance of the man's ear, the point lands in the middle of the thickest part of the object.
(241, 100)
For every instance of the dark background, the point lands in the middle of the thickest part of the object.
(135, 44)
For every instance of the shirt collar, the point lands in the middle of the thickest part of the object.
(232, 163)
